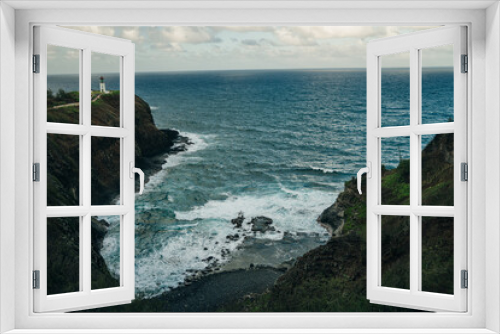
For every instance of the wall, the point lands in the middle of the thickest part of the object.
(492, 149)
(7, 160)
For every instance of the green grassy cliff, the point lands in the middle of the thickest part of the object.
(332, 277)
(63, 181)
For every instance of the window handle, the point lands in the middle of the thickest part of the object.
(368, 171)
(134, 170)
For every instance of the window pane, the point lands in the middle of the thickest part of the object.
(63, 170)
(437, 169)
(63, 85)
(395, 95)
(395, 170)
(437, 254)
(106, 242)
(105, 90)
(105, 186)
(63, 255)
(396, 251)
(437, 84)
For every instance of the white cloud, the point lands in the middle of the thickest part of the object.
(102, 30)
(189, 35)
(244, 29)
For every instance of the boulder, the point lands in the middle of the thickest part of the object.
(237, 222)
(262, 224)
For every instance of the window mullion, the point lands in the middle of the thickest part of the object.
(414, 171)
(85, 240)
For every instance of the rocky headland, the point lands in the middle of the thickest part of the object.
(152, 146)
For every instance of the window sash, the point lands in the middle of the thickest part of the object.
(86, 297)
(414, 298)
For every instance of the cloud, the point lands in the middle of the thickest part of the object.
(312, 35)
(102, 30)
(189, 35)
(244, 29)
(251, 42)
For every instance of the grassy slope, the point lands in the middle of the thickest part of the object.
(332, 277)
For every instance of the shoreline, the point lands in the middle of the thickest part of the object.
(216, 286)
(209, 294)
(154, 164)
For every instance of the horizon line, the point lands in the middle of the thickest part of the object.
(255, 69)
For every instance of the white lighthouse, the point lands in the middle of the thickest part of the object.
(102, 86)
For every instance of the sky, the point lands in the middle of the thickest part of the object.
(202, 48)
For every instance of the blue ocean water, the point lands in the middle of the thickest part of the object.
(278, 144)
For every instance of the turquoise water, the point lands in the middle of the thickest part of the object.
(278, 144)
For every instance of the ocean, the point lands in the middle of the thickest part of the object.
(278, 144)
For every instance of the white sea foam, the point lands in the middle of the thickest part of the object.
(324, 170)
(197, 142)
(154, 108)
(291, 211)
(165, 256)
(159, 269)
(163, 261)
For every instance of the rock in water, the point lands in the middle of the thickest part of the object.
(262, 224)
(237, 222)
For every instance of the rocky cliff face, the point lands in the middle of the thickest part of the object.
(332, 277)
(63, 184)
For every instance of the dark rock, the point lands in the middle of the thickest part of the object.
(237, 222)
(262, 224)
(233, 237)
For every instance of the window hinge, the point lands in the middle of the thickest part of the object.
(36, 63)
(36, 172)
(36, 279)
(464, 171)
(465, 279)
(465, 64)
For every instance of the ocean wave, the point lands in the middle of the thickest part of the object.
(314, 169)
(291, 210)
(154, 108)
(324, 170)
(197, 143)
(164, 260)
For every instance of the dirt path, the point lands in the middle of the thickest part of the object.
(74, 104)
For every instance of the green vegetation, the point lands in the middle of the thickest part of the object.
(61, 97)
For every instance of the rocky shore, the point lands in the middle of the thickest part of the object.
(332, 277)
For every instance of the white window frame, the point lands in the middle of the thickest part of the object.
(86, 44)
(483, 124)
(414, 44)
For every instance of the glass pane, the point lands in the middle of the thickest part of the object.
(63, 255)
(437, 169)
(106, 242)
(105, 175)
(105, 90)
(63, 85)
(63, 170)
(437, 254)
(396, 251)
(437, 84)
(395, 95)
(395, 170)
